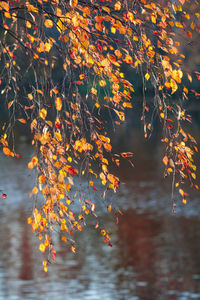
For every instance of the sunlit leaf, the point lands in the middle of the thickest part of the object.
(48, 23)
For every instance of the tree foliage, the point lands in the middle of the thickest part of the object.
(62, 68)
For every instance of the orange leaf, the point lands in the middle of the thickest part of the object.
(48, 23)
(30, 165)
(43, 113)
(165, 160)
(6, 151)
(58, 103)
(42, 248)
(35, 190)
(22, 121)
(10, 104)
(73, 3)
(109, 208)
(118, 5)
(30, 96)
(107, 147)
(41, 179)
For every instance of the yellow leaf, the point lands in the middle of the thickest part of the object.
(107, 147)
(82, 76)
(42, 248)
(39, 91)
(48, 23)
(61, 26)
(189, 77)
(73, 249)
(58, 136)
(58, 103)
(102, 83)
(6, 151)
(174, 86)
(193, 175)
(73, 3)
(109, 208)
(41, 179)
(107, 9)
(120, 115)
(184, 201)
(113, 179)
(30, 165)
(168, 85)
(28, 24)
(118, 53)
(177, 75)
(4, 5)
(43, 113)
(113, 30)
(93, 91)
(35, 190)
(64, 239)
(192, 26)
(118, 5)
(30, 96)
(31, 7)
(178, 24)
(147, 76)
(162, 115)
(128, 59)
(165, 160)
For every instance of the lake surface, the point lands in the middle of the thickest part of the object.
(155, 253)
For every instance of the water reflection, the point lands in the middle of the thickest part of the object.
(155, 254)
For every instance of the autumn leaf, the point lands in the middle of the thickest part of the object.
(23, 121)
(35, 190)
(147, 76)
(10, 104)
(58, 103)
(48, 23)
(165, 160)
(43, 113)
(6, 151)
(42, 248)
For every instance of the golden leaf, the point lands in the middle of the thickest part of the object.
(107, 147)
(23, 121)
(41, 179)
(93, 91)
(10, 104)
(174, 86)
(42, 248)
(118, 5)
(43, 113)
(6, 151)
(165, 160)
(147, 76)
(35, 190)
(48, 23)
(102, 83)
(58, 103)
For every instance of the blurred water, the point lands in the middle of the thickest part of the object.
(155, 254)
